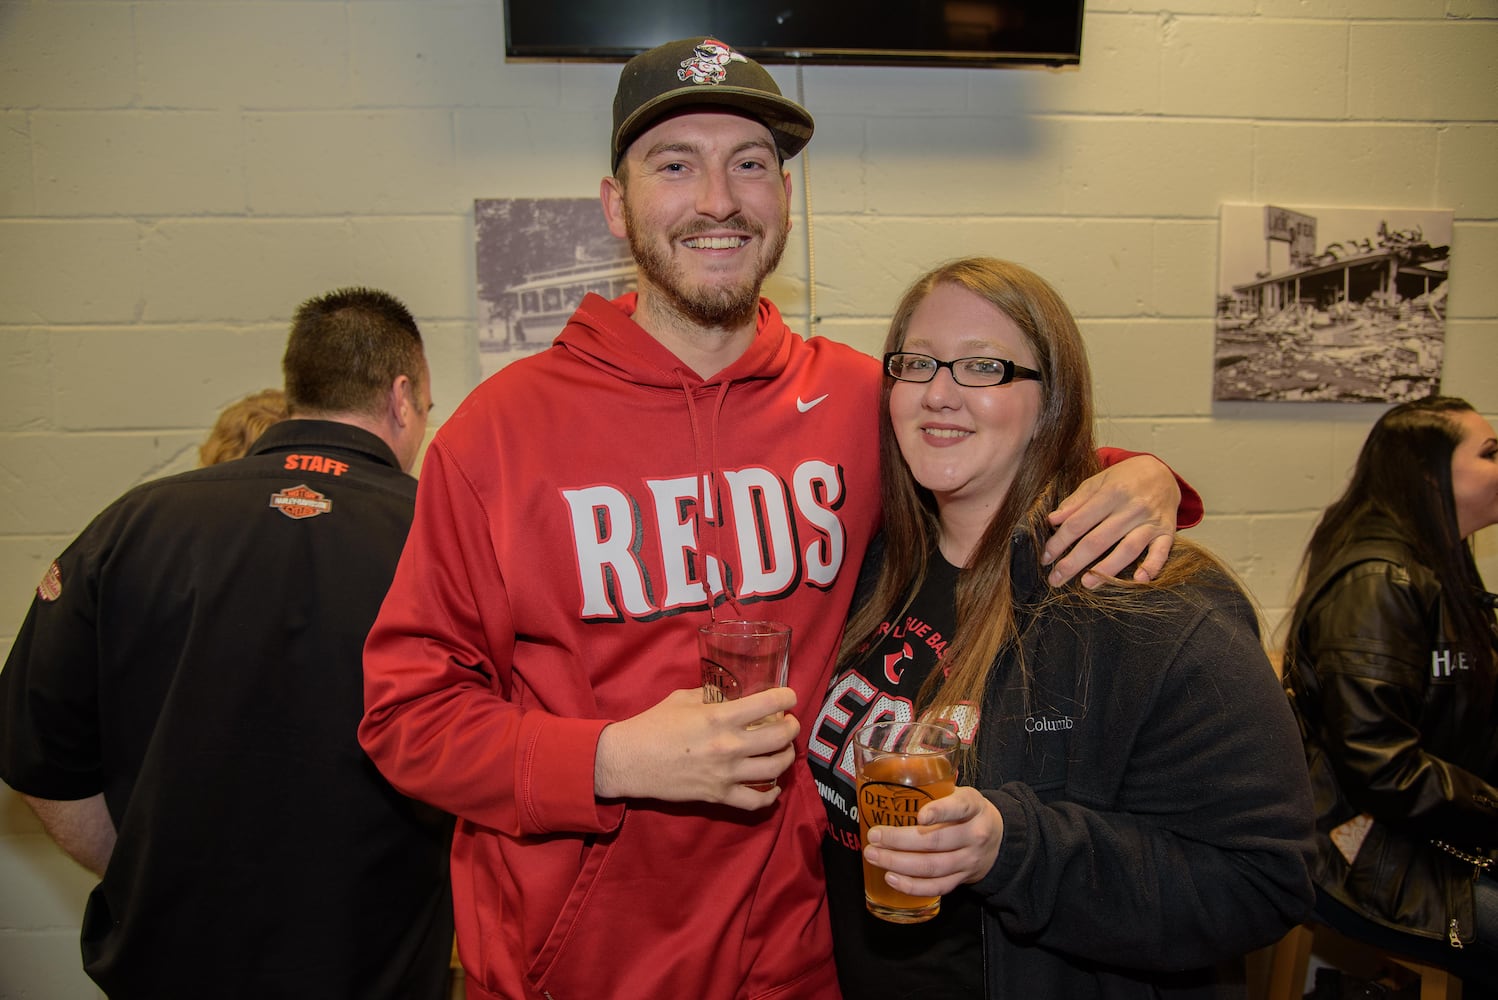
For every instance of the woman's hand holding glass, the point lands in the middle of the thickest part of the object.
(956, 842)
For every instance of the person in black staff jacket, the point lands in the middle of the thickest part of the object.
(180, 705)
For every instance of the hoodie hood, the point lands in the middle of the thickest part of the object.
(604, 334)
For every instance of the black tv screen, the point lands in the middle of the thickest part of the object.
(867, 32)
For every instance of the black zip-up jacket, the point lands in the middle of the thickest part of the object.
(1383, 690)
(1157, 819)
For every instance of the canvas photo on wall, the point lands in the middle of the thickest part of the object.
(1328, 304)
(536, 258)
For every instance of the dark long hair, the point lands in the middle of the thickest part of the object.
(1403, 474)
(1061, 454)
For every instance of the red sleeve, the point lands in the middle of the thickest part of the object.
(1189, 514)
(439, 721)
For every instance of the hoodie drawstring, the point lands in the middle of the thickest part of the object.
(707, 487)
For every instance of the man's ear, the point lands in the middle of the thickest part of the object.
(786, 176)
(611, 194)
(402, 402)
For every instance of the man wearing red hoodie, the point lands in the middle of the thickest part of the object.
(678, 454)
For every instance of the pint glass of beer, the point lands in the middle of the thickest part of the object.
(901, 766)
(741, 658)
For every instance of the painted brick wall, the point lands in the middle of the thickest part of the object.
(176, 176)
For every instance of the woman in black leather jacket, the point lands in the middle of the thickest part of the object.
(1391, 669)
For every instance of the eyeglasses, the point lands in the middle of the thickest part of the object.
(972, 372)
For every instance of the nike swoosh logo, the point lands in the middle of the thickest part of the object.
(806, 406)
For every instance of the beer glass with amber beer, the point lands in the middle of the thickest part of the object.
(901, 766)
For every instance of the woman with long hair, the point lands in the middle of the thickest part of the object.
(1132, 813)
(1391, 663)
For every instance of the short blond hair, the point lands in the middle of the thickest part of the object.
(241, 424)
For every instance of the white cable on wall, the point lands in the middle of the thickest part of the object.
(811, 243)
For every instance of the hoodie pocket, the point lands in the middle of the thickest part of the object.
(595, 860)
(659, 909)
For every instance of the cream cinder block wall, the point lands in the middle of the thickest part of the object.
(176, 176)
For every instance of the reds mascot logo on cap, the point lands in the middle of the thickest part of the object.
(709, 63)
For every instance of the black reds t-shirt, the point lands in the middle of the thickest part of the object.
(940, 959)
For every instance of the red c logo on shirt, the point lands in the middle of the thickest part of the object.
(892, 661)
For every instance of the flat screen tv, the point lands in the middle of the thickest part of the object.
(865, 32)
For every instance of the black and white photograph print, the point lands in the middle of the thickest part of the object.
(536, 259)
(1329, 304)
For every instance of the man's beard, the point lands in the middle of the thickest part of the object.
(706, 305)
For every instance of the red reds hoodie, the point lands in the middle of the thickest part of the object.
(576, 518)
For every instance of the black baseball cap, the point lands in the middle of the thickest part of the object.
(703, 71)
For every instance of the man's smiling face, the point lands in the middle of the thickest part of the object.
(706, 208)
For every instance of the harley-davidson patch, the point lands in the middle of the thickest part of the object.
(301, 501)
(50, 589)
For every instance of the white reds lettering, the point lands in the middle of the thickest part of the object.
(774, 537)
(852, 700)
(766, 546)
(606, 531)
(686, 585)
(818, 492)
(847, 700)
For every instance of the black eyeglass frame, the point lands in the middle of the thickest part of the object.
(1012, 371)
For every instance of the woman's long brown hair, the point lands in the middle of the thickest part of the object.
(1061, 455)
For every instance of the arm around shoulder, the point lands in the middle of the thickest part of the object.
(1131, 508)
(1190, 508)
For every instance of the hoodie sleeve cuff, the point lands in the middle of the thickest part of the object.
(556, 779)
(1191, 510)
